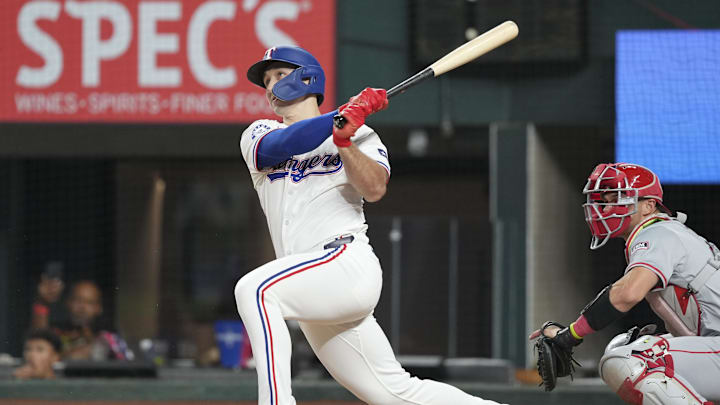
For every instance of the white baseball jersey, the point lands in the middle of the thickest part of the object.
(308, 199)
(332, 292)
(676, 254)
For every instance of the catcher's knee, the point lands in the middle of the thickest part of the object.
(643, 373)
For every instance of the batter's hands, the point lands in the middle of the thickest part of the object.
(372, 100)
(368, 101)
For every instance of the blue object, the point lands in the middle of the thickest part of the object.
(300, 137)
(293, 85)
(232, 342)
(668, 103)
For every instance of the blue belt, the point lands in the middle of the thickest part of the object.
(339, 242)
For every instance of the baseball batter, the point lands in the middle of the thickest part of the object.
(312, 179)
(672, 267)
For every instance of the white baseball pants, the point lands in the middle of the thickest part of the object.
(332, 293)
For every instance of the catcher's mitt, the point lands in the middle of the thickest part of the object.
(555, 355)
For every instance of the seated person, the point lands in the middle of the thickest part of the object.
(42, 350)
(84, 335)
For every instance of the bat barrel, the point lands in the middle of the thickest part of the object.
(459, 56)
(481, 45)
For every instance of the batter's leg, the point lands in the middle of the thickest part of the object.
(270, 340)
(323, 287)
(358, 355)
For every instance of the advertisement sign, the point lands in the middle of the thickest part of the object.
(150, 60)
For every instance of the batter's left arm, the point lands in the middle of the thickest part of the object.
(365, 174)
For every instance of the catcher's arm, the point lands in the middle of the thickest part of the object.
(554, 343)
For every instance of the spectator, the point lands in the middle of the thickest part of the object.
(84, 335)
(46, 309)
(42, 350)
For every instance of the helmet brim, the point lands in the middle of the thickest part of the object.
(256, 71)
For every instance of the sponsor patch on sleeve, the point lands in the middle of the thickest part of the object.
(639, 246)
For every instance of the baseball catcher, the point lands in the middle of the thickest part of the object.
(670, 266)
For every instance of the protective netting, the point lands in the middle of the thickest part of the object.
(164, 217)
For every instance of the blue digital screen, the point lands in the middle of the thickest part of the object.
(667, 98)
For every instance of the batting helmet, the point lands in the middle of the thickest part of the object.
(628, 183)
(293, 85)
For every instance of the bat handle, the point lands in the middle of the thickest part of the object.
(339, 121)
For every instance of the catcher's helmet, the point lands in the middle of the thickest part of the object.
(291, 86)
(629, 183)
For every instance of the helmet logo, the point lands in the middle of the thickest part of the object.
(269, 53)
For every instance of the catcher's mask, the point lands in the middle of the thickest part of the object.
(613, 191)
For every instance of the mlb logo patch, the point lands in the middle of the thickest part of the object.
(639, 246)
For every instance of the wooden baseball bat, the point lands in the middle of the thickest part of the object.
(461, 55)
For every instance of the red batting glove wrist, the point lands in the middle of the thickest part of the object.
(354, 119)
(340, 141)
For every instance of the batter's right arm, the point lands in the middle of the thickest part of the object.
(366, 175)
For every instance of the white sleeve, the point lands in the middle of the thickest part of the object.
(371, 145)
(658, 250)
(250, 140)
